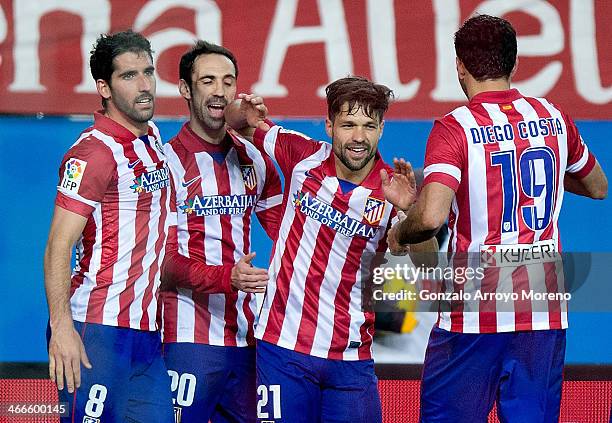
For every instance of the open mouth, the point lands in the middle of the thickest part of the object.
(357, 152)
(216, 110)
(145, 101)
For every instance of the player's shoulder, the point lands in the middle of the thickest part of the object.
(240, 142)
(175, 149)
(154, 130)
(450, 125)
(298, 136)
(172, 145)
(91, 142)
(455, 116)
(90, 150)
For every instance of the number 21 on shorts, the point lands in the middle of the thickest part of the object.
(266, 394)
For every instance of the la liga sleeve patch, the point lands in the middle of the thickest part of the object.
(73, 174)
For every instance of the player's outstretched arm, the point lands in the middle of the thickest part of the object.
(421, 254)
(593, 185)
(248, 278)
(428, 214)
(179, 271)
(66, 350)
(424, 254)
(247, 113)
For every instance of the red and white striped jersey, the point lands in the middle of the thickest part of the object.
(122, 185)
(505, 156)
(313, 302)
(218, 187)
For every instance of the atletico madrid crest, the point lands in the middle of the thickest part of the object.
(248, 176)
(374, 210)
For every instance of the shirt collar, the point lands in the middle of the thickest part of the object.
(372, 180)
(115, 129)
(196, 144)
(506, 96)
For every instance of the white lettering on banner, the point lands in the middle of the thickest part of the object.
(584, 53)
(446, 15)
(549, 42)
(383, 49)
(332, 32)
(27, 16)
(207, 25)
(20, 23)
(3, 28)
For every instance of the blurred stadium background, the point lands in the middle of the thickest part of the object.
(287, 51)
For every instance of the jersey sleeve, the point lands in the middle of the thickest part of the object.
(284, 146)
(172, 215)
(445, 157)
(268, 207)
(580, 161)
(179, 271)
(84, 176)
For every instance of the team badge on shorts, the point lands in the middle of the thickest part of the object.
(374, 210)
(248, 176)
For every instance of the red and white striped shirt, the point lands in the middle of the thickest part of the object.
(122, 185)
(505, 156)
(313, 303)
(218, 187)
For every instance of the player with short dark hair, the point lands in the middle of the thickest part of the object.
(209, 305)
(110, 46)
(314, 359)
(497, 168)
(113, 202)
(200, 48)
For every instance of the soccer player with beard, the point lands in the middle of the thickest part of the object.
(113, 201)
(314, 359)
(209, 305)
(497, 168)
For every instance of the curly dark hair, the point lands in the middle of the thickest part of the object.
(487, 47)
(199, 48)
(358, 91)
(107, 47)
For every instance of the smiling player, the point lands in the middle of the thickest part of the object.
(314, 359)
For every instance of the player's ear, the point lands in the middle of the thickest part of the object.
(514, 68)
(461, 71)
(184, 89)
(329, 127)
(382, 128)
(103, 88)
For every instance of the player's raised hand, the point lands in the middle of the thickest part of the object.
(66, 353)
(400, 190)
(254, 110)
(245, 277)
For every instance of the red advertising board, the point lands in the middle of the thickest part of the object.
(288, 50)
(582, 401)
